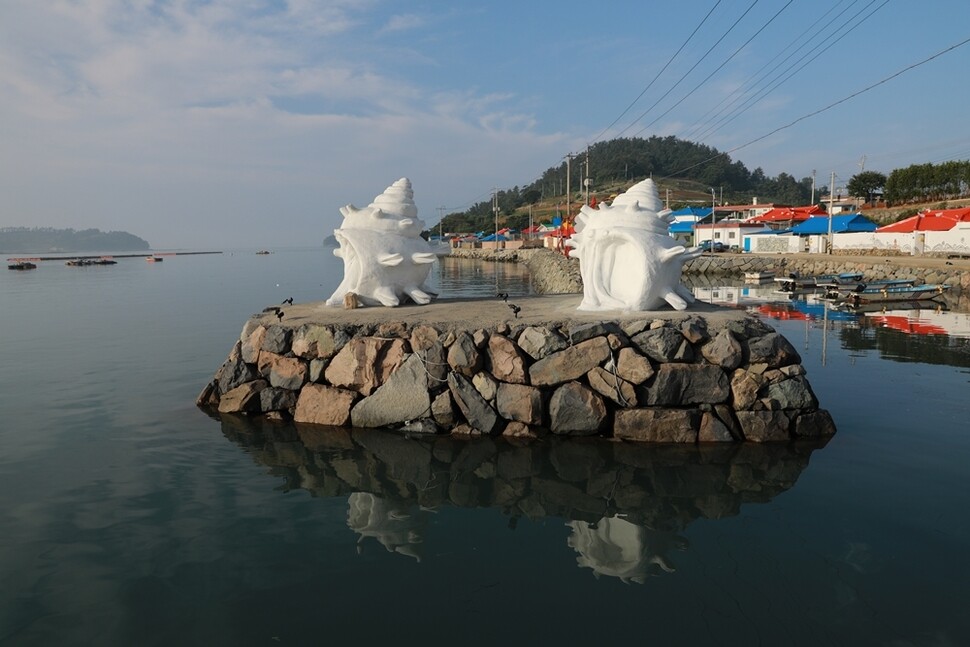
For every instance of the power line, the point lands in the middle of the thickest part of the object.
(701, 59)
(826, 108)
(808, 36)
(753, 100)
(666, 65)
(717, 69)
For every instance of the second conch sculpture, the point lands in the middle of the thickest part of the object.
(385, 258)
(627, 259)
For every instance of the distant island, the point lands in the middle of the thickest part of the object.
(19, 240)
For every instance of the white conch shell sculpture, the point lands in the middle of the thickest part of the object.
(627, 259)
(385, 258)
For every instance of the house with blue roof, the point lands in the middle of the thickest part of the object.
(682, 228)
(852, 223)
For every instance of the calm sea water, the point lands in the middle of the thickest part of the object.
(129, 517)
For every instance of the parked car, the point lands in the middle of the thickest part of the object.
(715, 246)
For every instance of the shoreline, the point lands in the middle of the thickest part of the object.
(553, 273)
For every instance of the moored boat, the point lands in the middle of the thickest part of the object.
(154, 259)
(21, 264)
(794, 282)
(881, 294)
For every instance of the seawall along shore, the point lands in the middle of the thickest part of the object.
(553, 273)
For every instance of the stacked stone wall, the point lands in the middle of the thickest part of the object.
(553, 273)
(656, 380)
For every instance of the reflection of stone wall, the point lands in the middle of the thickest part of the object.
(681, 380)
(660, 487)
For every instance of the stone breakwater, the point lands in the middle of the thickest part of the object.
(553, 273)
(955, 274)
(468, 367)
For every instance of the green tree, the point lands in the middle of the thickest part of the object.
(865, 184)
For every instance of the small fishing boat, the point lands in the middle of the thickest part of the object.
(21, 264)
(794, 282)
(881, 294)
(154, 259)
(835, 291)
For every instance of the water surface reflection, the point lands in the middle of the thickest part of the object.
(625, 504)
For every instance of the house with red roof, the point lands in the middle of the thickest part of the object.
(943, 231)
(781, 218)
(941, 220)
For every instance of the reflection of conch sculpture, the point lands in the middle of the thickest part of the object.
(398, 526)
(385, 258)
(618, 548)
(626, 257)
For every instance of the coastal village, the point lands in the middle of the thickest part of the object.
(771, 229)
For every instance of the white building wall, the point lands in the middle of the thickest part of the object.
(767, 244)
(956, 241)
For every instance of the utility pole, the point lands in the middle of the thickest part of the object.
(713, 219)
(569, 197)
(586, 180)
(440, 219)
(831, 208)
(813, 186)
(495, 212)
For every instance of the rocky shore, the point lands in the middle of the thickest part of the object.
(469, 367)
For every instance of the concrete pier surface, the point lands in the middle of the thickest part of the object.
(471, 314)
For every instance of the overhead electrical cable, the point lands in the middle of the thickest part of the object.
(792, 71)
(674, 86)
(738, 94)
(823, 109)
(717, 69)
(666, 65)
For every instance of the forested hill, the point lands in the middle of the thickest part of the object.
(20, 240)
(687, 170)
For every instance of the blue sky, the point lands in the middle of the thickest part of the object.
(240, 123)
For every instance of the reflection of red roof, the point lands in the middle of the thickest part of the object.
(943, 220)
(908, 325)
(786, 214)
(782, 311)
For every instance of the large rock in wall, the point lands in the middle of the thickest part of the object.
(658, 380)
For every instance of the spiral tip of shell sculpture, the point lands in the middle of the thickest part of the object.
(385, 258)
(626, 257)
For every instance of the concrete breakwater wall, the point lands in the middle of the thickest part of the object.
(933, 271)
(470, 367)
(553, 273)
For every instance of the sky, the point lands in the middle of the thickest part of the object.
(228, 124)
